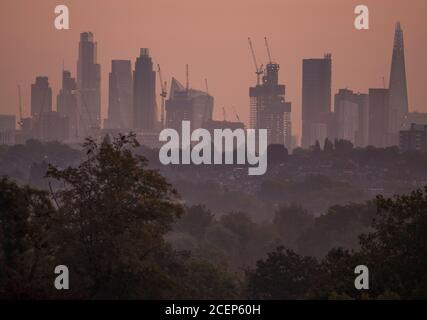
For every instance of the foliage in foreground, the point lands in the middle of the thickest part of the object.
(395, 252)
(107, 225)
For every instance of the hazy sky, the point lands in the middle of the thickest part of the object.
(211, 36)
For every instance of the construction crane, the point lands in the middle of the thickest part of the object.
(268, 50)
(163, 95)
(237, 115)
(20, 122)
(207, 87)
(258, 69)
(187, 78)
(224, 114)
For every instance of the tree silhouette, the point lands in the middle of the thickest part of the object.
(114, 214)
(26, 244)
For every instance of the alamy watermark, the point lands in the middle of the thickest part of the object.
(62, 19)
(198, 147)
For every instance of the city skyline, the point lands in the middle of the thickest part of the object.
(345, 73)
(211, 156)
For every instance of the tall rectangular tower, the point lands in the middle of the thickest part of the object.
(41, 97)
(316, 99)
(120, 107)
(89, 86)
(351, 117)
(379, 105)
(67, 103)
(7, 129)
(144, 93)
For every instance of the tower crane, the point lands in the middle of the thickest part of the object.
(207, 87)
(20, 122)
(163, 95)
(237, 115)
(224, 114)
(268, 50)
(258, 69)
(187, 85)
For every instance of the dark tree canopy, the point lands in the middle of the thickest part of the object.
(394, 249)
(282, 275)
(26, 246)
(112, 206)
(107, 223)
(397, 246)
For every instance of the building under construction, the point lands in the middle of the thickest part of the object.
(268, 108)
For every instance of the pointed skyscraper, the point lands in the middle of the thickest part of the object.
(398, 87)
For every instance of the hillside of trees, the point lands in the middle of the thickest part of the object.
(125, 232)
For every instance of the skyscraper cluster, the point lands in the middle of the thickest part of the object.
(132, 102)
(374, 118)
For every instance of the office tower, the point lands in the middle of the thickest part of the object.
(398, 87)
(120, 107)
(351, 117)
(144, 93)
(347, 117)
(67, 103)
(88, 86)
(362, 100)
(268, 108)
(186, 104)
(316, 99)
(46, 124)
(378, 120)
(415, 138)
(41, 96)
(7, 129)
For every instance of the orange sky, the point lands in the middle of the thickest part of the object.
(211, 36)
